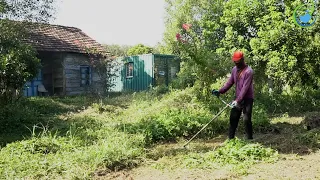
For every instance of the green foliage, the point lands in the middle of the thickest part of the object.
(81, 135)
(185, 79)
(260, 118)
(237, 154)
(293, 101)
(18, 62)
(274, 46)
(139, 49)
(238, 151)
(159, 48)
(171, 123)
(117, 50)
(52, 157)
(159, 90)
(177, 114)
(17, 119)
(30, 10)
(71, 145)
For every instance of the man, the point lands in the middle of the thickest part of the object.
(242, 77)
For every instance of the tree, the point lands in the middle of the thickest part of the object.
(18, 61)
(277, 48)
(159, 48)
(117, 50)
(29, 10)
(197, 48)
(274, 45)
(139, 49)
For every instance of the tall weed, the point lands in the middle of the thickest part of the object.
(177, 114)
(49, 156)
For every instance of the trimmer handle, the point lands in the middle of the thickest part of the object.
(225, 102)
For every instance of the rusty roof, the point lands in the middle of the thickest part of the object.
(57, 38)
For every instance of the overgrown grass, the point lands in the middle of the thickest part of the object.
(72, 137)
(73, 156)
(178, 114)
(181, 114)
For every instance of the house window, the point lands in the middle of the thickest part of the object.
(85, 75)
(129, 70)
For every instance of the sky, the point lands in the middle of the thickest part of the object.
(123, 22)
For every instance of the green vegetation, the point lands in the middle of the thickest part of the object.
(18, 61)
(139, 49)
(236, 153)
(76, 137)
(73, 137)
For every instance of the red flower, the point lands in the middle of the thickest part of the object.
(178, 36)
(186, 26)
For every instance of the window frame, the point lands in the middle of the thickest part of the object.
(127, 68)
(87, 79)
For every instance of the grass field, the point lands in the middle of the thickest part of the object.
(140, 136)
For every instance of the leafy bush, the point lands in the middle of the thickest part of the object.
(260, 119)
(185, 77)
(293, 101)
(18, 61)
(162, 89)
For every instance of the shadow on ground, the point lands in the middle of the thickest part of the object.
(18, 120)
(291, 139)
(286, 138)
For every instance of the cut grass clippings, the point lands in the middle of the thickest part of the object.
(236, 154)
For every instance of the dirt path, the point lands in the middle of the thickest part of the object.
(301, 167)
(292, 167)
(297, 161)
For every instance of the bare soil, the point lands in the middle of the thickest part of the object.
(298, 160)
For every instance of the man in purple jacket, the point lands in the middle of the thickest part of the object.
(242, 77)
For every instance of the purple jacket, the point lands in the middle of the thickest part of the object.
(244, 87)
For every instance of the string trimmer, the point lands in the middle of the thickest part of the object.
(227, 105)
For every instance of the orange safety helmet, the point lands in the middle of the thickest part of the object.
(237, 56)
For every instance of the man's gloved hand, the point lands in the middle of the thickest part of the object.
(216, 92)
(234, 104)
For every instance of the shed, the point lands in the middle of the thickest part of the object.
(66, 64)
(137, 73)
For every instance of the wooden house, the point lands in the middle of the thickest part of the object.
(66, 63)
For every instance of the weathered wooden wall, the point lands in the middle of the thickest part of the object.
(52, 72)
(72, 63)
(61, 74)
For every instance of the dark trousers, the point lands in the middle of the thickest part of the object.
(246, 108)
